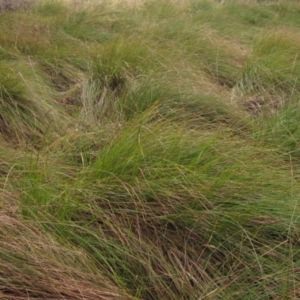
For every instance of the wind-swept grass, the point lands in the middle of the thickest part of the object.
(149, 151)
(27, 107)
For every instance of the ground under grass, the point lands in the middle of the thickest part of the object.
(149, 150)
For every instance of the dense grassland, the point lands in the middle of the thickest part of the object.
(150, 150)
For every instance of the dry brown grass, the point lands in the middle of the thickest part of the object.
(34, 266)
(13, 5)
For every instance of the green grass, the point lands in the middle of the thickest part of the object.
(150, 151)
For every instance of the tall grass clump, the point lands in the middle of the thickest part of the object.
(166, 212)
(28, 108)
(149, 150)
(275, 62)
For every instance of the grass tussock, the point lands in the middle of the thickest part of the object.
(149, 150)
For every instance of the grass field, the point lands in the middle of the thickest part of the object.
(150, 150)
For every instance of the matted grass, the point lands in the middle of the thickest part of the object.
(149, 150)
